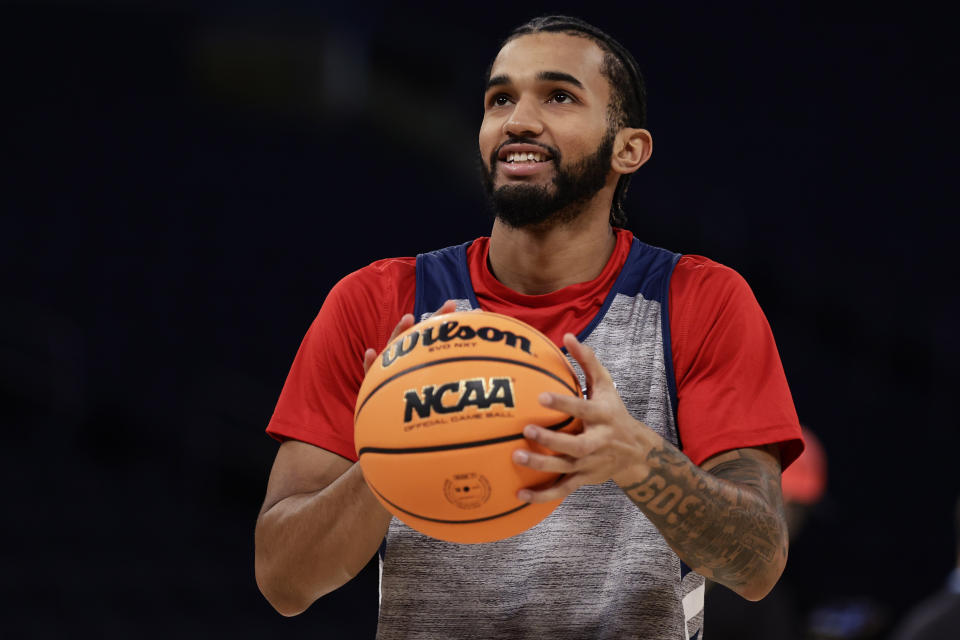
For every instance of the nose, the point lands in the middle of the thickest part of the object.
(524, 120)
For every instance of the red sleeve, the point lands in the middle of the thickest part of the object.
(317, 401)
(731, 388)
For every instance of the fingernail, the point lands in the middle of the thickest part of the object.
(530, 432)
(520, 456)
(524, 495)
(545, 399)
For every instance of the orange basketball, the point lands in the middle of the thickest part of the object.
(440, 413)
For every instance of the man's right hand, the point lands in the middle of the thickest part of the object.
(405, 323)
(320, 524)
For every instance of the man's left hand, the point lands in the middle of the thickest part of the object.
(612, 441)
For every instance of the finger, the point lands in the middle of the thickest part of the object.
(447, 307)
(541, 462)
(560, 490)
(593, 370)
(576, 407)
(405, 323)
(368, 358)
(574, 445)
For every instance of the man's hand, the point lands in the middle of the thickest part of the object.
(405, 323)
(725, 520)
(612, 441)
(320, 524)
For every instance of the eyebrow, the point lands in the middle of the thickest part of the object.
(548, 76)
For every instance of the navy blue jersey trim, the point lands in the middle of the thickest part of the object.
(465, 276)
(420, 290)
(640, 272)
(668, 348)
(443, 275)
(611, 296)
(647, 271)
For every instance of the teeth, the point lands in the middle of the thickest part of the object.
(525, 157)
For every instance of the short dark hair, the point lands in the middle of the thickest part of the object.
(628, 97)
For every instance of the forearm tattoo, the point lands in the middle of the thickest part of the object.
(727, 523)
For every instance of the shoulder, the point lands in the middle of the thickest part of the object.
(368, 300)
(377, 281)
(382, 272)
(732, 392)
(699, 284)
(693, 271)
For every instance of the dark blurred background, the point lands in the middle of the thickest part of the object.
(184, 182)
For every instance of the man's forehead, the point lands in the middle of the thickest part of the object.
(531, 54)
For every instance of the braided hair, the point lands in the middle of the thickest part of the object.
(628, 98)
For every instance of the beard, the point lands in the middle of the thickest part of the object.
(560, 202)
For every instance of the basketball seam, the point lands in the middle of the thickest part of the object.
(459, 445)
(473, 521)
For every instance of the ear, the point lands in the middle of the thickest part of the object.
(631, 149)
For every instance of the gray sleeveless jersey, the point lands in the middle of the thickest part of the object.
(596, 567)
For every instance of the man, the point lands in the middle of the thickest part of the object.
(687, 421)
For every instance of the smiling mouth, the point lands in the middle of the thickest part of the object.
(531, 157)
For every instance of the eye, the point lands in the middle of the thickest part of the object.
(499, 100)
(561, 97)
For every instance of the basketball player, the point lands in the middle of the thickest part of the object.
(688, 419)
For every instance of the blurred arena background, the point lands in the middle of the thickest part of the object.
(185, 181)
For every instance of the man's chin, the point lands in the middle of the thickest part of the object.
(516, 189)
(520, 206)
(541, 183)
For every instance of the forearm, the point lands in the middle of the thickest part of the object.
(730, 528)
(310, 544)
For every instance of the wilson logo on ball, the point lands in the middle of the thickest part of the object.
(475, 392)
(451, 330)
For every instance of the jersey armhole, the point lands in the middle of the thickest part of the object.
(668, 348)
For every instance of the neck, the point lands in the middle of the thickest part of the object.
(543, 259)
